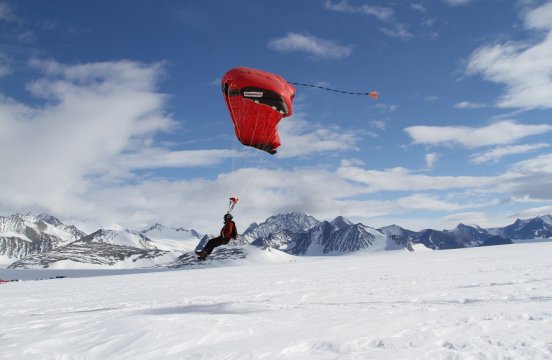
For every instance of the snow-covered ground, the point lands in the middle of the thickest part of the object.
(478, 303)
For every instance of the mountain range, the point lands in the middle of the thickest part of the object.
(44, 241)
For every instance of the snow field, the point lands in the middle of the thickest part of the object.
(478, 303)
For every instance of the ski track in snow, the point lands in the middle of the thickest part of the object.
(479, 303)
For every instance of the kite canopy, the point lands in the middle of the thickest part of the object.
(257, 100)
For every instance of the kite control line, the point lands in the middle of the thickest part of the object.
(373, 94)
(231, 203)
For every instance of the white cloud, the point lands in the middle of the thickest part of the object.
(155, 158)
(457, 2)
(91, 114)
(401, 179)
(468, 105)
(317, 47)
(431, 159)
(469, 218)
(377, 124)
(540, 18)
(503, 132)
(532, 212)
(541, 164)
(427, 203)
(495, 155)
(529, 179)
(262, 193)
(382, 13)
(397, 31)
(385, 14)
(524, 68)
(303, 138)
(352, 162)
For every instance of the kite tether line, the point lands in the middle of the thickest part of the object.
(373, 94)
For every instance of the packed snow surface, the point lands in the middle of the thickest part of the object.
(476, 303)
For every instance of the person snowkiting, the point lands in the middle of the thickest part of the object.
(227, 233)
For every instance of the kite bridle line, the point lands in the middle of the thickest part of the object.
(256, 160)
(373, 94)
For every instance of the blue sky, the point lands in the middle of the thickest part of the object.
(111, 111)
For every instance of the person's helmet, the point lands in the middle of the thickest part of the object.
(228, 217)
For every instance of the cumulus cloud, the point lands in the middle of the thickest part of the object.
(312, 45)
(495, 155)
(530, 179)
(191, 203)
(304, 138)
(524, 68)
(87, 116)
(503, 132)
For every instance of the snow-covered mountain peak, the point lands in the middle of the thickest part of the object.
(159, 231)
(251, 227)
(156, 227)
(465, 228)
(546, 218)
(17, 222)
(294, 219)
(24, 234)
(120, 238)
(519, 224)
(392, 230)
(341, 222)
(50, 219)
(171, 238)
(27, 225)
(294, 222)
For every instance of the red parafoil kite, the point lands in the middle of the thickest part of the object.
(257, 101)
